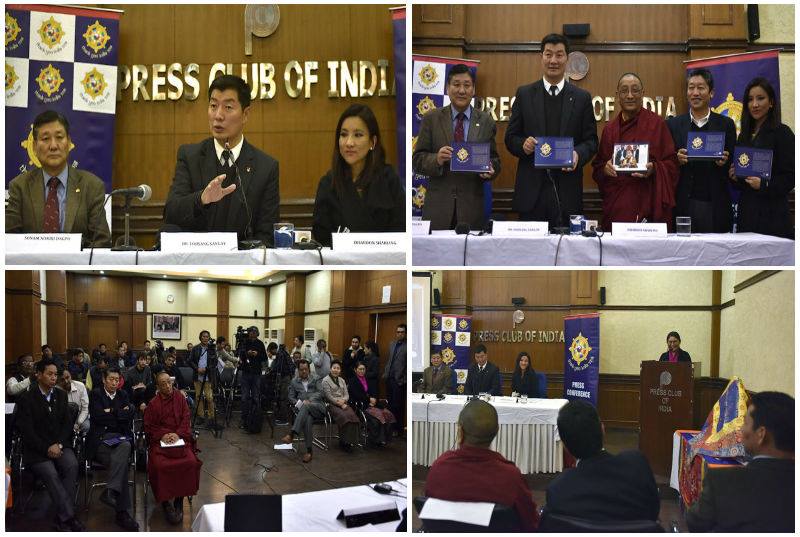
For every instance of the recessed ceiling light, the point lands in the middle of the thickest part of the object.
(269, 280)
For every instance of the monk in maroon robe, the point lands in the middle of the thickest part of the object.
(174, 472)
(634, 197)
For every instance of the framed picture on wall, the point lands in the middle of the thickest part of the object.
(166, 326)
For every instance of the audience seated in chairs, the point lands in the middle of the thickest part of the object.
(76, 366)
(174, 472)
(613, 488)
(758, 497)
(110, 442)
(43, 419)
(95, 377)
(139, 383)
(334, 389)
(475, 473)
(437, 378)
(306, 397)
(365, 396)
(19, 383)
(101, 350)
(76, 394)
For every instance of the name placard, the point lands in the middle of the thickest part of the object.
(387, 242)
(199, 242)
(633, 229)
(517, 229)
(420, 227)
(17, 243)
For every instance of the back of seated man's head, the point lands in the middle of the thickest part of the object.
(580, 429)
(769, 425)
(477, 423)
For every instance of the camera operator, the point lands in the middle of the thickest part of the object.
(203, 360)
(252, 357)
(282, 371)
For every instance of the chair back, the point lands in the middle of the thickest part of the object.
(504, 520)
(555, 523)
(541, 380)
(187, 374)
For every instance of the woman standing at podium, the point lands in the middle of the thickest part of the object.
(360, 193)
(674, 351)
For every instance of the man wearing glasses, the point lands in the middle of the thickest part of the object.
(637, 196)
(395, 376)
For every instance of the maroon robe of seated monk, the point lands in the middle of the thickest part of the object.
(632, 199)
(173, 471)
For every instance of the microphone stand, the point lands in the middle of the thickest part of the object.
(559, 229)
(126, 243)
(249, 243)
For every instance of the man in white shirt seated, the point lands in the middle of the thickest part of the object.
(76, 393)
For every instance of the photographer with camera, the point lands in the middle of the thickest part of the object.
(280, 373)
(252, 357)
(203, 361)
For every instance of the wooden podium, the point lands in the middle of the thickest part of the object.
(666, 400)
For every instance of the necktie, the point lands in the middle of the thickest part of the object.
(553, 90)
(51, 218)
(459, 132)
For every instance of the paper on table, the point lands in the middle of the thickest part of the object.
(179, 443)
(284, 446)
(478, 513)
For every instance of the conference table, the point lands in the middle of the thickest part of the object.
(528, 435)
(260, 256)
(315, 511)
(446, 248)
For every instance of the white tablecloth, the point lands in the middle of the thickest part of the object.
(313, 511)
(244, 257)
(528, 434)
(445, 248)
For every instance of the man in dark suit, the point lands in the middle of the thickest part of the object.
(482, 376)
(674, 352)
(438, 378)
(110, 442)
(454, 197)
(551, 107)
(602, 487)
(42, 417)
(758, 497)
(57, 198)
(702, 191)
(202, 196)
(394, 374)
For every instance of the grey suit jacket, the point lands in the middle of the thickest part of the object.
(398, 369)
(298, 393)
(436, 132)
(84, 210)
(439, 383)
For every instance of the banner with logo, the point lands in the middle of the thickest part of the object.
(429, 92)
(450, 337)
(399, 29)
(582, 357)
(64, 59)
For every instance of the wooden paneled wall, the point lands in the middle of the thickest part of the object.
(651, 40)
(299, 132)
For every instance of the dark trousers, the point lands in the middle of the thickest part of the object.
(702, 214)
(60, 478)
(304, 422)
(251, 392)
(116, 460)
(396, 394)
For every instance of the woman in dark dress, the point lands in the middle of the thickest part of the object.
(360, 192)
(764, 204)
(524, 380)
(372, 362)
(364, 396)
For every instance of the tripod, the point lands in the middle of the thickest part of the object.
(211, 371)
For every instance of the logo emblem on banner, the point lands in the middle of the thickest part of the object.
(418, 196)
(462, 324)
(49, 80)
(435, 322)
(51, 32)
(428, 76)
(448, 337)
(697, 143)
(12, 28)
(579, 351)
(732, 109)
(96, 37)
(94, 83)
(744, 160)
(448, 355)
(11, 77)
(665, 379)
(425, 105)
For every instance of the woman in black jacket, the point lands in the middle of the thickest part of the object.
(524, 380)
(360, 192)
(764, 204)
(379, 418)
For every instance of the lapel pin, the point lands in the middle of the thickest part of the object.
(77, 190)
(248, 169)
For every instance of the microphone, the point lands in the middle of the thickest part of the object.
(143, 192)
(249, 243)
(462, 228)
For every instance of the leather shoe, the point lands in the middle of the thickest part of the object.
(125, 521)
(73, 524)
(307, 457)
(287, 439)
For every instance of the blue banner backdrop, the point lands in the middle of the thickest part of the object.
(450, 337)
(399, 28)
(64, 59)
(582, 357)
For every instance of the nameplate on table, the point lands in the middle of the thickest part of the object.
(633, 229)
(553, 152)
(519, 229)
(62, 243)
(705, 145)
(376, 512)
(471, 157)
(361, 242)
(752, 162)
(420, 227)
(179, 243)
